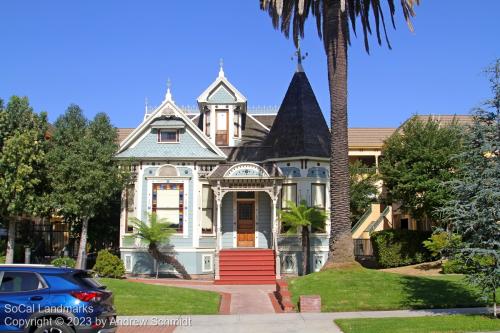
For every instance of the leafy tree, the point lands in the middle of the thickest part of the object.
(332, 22)
(82, 170)
(441, 243)
(474, 212)
(156, 233)
(22, 164)
(362, 189)
(417, 160)
(301, 216)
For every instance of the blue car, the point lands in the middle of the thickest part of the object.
(47, 299)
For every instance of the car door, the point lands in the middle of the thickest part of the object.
(21, 294)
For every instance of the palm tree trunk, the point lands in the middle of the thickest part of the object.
(80, 260)
(341, 249)
(306, 250)
(11, 242)
(168, 259)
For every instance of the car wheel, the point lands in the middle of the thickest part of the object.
(54, 328)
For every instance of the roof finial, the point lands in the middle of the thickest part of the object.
(221, 69)
(168, 95)
(146, 106)
(300, 57)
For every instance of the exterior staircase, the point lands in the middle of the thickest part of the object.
(246, 266)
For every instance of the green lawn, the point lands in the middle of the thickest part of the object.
(358, 288)
(448, 324)
(133, 298)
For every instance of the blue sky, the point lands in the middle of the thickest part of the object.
(109, 55)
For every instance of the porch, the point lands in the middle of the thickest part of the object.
(247, 226)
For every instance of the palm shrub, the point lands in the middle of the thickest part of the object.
(64, 262)
(109, 265)
(304, 217)
(156, 232)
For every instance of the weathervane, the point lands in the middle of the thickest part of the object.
(300, 57)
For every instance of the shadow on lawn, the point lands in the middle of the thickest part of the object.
(433, 293)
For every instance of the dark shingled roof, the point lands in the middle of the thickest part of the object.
(299, 128)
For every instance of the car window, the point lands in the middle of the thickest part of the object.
(20, 281)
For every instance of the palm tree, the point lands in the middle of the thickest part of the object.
(332, 21)
(304, 217)
(155, 233)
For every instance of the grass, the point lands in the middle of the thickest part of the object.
(354, 289)
(448, 324)
(133, 298)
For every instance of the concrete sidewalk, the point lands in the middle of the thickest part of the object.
(285, 322)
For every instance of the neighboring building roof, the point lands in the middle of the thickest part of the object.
(445, 118)
(368, 137)
(123, 133)
(299, 128)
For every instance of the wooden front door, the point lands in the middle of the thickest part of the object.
(246, 224)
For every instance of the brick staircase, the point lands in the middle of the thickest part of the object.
(247, 266)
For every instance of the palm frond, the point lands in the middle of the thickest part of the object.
(155, 232)
(286, 14)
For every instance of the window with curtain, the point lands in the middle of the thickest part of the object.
(129, 197)
(207, 210)
(318, 200)
(207, 123)
(318, 195)
(168, 203)
(288, 193)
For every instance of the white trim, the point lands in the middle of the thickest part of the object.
(255, 220)
(295, 158)
(235, 219)
(203, 98)
(298, 248)
(211, 269)
(239, 165)
(168, 105)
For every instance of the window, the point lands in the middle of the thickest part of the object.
(207, 123)
(404, 224)
(318, 195)
(245, 195)
(318, 200)
(168, 203)
(207, 210)
(168, 136)
(20, 281)
(129, 198)
(236, 124)
(221, 137)
(288, 193)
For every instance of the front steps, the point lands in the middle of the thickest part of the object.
(246, 266)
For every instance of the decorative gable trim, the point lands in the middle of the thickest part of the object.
(246, 170)
(167, 110)
(221, 81)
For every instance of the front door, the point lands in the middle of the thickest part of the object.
(246, 224)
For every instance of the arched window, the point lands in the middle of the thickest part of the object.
(167, 171)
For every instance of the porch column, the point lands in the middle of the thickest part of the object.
(218, 235)
(275, 233)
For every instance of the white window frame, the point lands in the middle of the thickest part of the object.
(203, 269)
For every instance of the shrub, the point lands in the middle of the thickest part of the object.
(109, 265)
(393, 248)
(453, 266)
(441, 243)
(64, 262)
(2, 259)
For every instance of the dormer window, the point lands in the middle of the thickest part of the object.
(236, 124)
(168, 136)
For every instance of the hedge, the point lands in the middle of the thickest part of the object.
(393, 248)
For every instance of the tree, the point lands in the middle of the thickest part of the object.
(332, 21)
(82, 169)
(417, 160)
(156, 232)
(22, 164)
(474, 212)
(362, 189)
(303, 217)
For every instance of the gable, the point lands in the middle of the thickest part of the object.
(188, 147)
(221, 96)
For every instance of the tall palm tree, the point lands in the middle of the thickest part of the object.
(332, 22)
(296, 216)
(156, 232)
